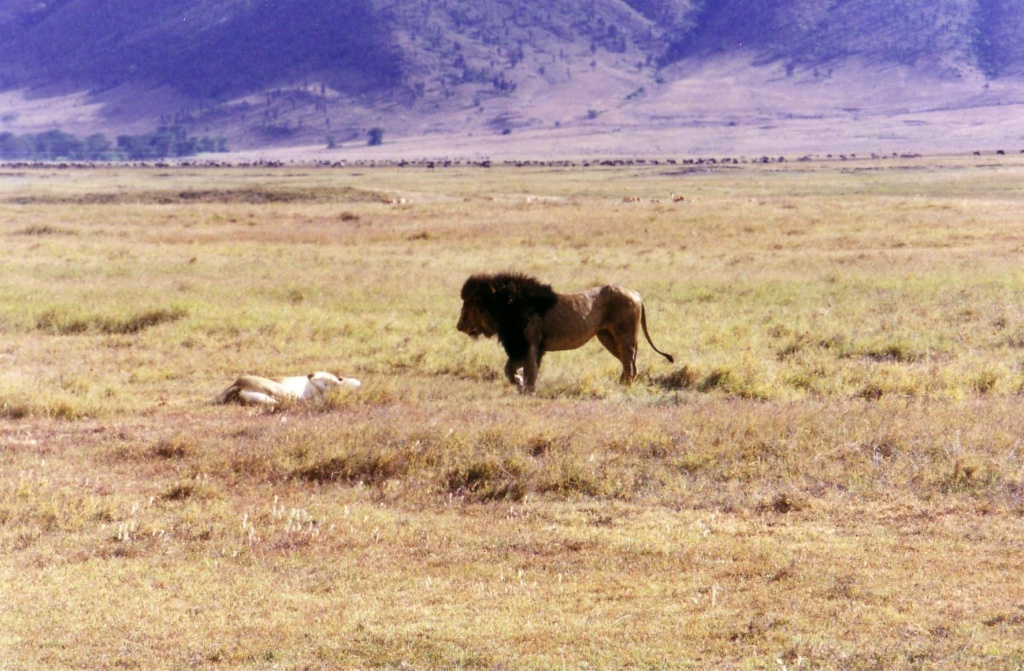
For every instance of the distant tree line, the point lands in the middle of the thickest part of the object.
(56, 145)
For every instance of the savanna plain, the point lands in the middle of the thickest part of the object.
(829, 477)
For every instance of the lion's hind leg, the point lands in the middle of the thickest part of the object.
(628, 359)
(228, 395)
(608, 340)
(253, 389)
(252, 397)
(624, 351)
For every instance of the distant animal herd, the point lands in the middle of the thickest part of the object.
(528, 317)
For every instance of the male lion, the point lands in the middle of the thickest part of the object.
(530, 319)
(265, 391)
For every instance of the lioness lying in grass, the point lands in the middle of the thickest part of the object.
(256, 390)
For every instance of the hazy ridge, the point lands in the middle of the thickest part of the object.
(298, 72)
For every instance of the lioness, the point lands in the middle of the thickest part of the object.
(266, 391)
(530, 319)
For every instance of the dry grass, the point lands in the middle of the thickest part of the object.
(830, 477)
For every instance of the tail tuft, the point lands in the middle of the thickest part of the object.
(643, 323)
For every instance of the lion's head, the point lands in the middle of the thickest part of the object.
(325, 381)
(502, 305)
(476, 322)
(476, 318)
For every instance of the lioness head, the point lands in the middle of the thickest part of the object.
(327, 381)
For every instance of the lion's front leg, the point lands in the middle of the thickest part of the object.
(531, 362)
(531, 366)
(512, 373)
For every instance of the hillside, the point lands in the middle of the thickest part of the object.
(301, 73)
(207, 50)
(951, 34)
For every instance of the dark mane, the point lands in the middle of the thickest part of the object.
(512, 299)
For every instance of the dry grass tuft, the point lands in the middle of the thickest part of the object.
(176, 447)
(65, 322)
(488, 479)
(782, 504)
(179, 492)
(683, 377)
(15, 409)
(363, 468)
(44, 230)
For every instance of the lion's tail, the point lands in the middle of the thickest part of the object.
(643, 323)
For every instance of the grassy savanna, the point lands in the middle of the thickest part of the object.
(830, 476)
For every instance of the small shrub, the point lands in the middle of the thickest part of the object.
(838, 345)
(253, 464)
(64, 409)
(174, 448)
(55, 322)
(140, 322)
(985, 381)
(683, 377)
(717, 379)
(884, 450)
(1015, 339)
(66, 322)
(968, 477)
(11, 409)
(367, 468)
(898, 351)
(791, 348)
(179, 492)
(872, 391)
(45, 230)
(693, 463)
(572, 478)
(538, 446)
(488, 480)
(781, 504)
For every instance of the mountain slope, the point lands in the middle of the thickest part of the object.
(951, 34)
(203, 49)
(291, 72)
